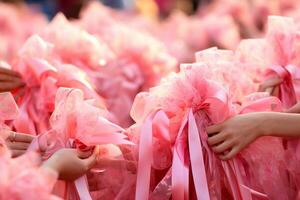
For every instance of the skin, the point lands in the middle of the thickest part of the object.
(71, 164)
(9, 80)
(229, 138)
(232, 136)
(18, 143)
(271, 86)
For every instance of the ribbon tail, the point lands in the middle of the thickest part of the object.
(180, 172)
(232, 180)
(180, 179)
(82, 188)
(163, 188)
(197, 161)
(145, 161)
(246, 192)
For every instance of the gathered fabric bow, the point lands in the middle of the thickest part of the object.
(42, 79)
(77, 123)
(192, 155)
(289, 89)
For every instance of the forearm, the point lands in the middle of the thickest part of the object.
(281, 125)
(294, 109)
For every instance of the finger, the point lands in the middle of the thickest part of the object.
(272, 82)
(20, 137)
(222, 147)
(216, 139)
(90, 161)
(214, 129)
(17, 153)
(7, 86)
(230, 154)
(275, 92)
(17, 145)
(84, 154)
(9, 72)
(269, 90)
(9, 78)
(20, 93)
(113, 163)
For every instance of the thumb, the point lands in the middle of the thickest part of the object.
(270, 83)
(90, 161)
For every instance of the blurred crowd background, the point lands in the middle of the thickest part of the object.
(71, 8)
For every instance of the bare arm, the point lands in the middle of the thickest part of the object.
(235, 134)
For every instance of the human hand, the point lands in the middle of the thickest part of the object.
(18, 143)
(271, 85)
(70, 163)
(232, 136)
(9, 80)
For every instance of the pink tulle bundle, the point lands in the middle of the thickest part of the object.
(21, 175)
(78, 119)
(130, 44)
(142, 61)
(224, 69)
(22, 179)
(276, 56)
(171, 129)
(81, 124)
(8, 107)
(43, 75)
(74, 45)
(117, 80)
(14, 18)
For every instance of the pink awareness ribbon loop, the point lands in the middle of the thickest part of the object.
(287, 92)
(180, 171)
(193, 152)
(145, 161)
(146, 156)
(197, 161)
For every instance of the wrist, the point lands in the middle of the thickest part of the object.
(52, 163)
(267, 124)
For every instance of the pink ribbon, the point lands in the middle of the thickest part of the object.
(180, 168)
(145, 156)
(81, 185)
(197, 161)
(287, 92)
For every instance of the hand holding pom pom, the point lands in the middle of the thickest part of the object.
(70, 163)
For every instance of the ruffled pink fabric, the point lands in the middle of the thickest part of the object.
(130, 44)
(14, 18)
(170, 124)
(43, 75)
(117, 76)
(276, 55)
(141, 60)
(82, 124)
(224, 69)
(21, 178)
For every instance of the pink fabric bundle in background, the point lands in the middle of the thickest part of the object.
(21, 175)
(43, 75)
(16, 26)
(117, 80)
(276, 56)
